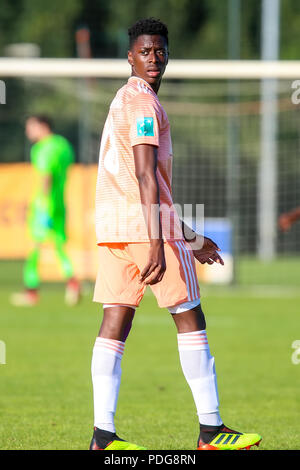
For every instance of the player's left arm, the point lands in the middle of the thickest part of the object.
(204, 249)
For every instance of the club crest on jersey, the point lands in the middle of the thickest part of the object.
(145, 126)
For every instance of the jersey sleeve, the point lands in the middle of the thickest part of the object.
(144, 120)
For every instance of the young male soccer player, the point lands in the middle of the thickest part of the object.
(140, 246)
(51, 155)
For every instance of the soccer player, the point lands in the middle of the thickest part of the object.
(51, 155)
(141, 246)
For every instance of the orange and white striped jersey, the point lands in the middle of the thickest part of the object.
(135, 117)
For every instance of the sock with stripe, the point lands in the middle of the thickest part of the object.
(106, 376)
(198, 367)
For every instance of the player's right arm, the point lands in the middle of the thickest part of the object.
(145, 158)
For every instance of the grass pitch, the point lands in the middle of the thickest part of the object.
(46, 390)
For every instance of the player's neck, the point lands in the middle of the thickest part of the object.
(154, 86)
(44, 135)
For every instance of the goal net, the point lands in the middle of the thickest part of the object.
(235, 133)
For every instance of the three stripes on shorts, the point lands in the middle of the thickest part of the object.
(187, 262)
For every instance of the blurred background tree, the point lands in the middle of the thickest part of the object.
(198, 29)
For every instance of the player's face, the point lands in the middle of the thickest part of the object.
(33, 129)
(148, 58)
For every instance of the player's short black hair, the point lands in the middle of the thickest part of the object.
(147, 26)
(42, 118)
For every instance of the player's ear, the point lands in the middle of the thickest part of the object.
(168, 55)
(130, 58)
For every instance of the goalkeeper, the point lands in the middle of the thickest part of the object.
(51, 155)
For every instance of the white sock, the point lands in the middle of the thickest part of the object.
(106, 376)
(199, 370)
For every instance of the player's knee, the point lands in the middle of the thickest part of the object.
(112, 329)
(126, 331)
(116, 325)
(200, 318)
(191, 320)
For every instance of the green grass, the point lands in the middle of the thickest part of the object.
(283, 271)
(45, 385)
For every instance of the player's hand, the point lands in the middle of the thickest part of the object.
(156, 266)
(208, 252)
(284, 222)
